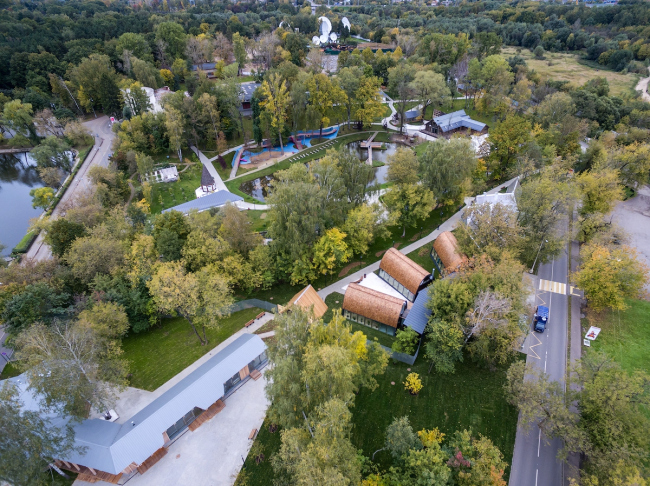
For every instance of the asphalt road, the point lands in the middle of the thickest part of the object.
(535, 462)
(100, 128)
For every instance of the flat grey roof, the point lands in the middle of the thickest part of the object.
(213, 200)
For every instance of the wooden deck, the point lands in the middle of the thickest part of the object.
(90, 475)
(153, 459)
(212, 410)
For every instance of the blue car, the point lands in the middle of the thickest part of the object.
(540, 319)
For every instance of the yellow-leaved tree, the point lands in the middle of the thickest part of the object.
(275, 101)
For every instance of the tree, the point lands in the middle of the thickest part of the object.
(555, 108)
(201, 299)
(53, 152)
(46, 123)
(209, 106)
(174, 38)
(409, 204)
(174, 127)
(489, 229)
(349, 80)
(400, 87)
(362, 227)
(136, 44)
(489, 44)
(239, 50)
(17, 116)
(37, 302)
(446, 167)
(29, 441)
(69, 368)
(406, 341)
(330, 251)
(236, 231)
(275, 102)
(444, 344)
(400, 438)
(324, 92)
(506, 141)
(403, 167)
(144, 163)
(632, 162)
(42, 197)
(430, 88)
(97, 253)
(368, 102)
(609, 276)
(61, 233)
(136, 98)
(601, 190)
(77, 135)
(322, 454)
(476, 462)
(51, 176)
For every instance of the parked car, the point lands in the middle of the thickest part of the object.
(540, 319)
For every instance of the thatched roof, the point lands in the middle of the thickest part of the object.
(403, 269)
(372, 304)
(206, 177)
(309, 299)
(446, 246)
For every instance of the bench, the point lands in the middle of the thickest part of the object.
(249, 323)
(255, 375)
(261, 314)
(252, 435)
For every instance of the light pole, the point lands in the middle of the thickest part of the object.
(540, 249)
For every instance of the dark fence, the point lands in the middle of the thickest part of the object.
(402, 357)
(249, 303)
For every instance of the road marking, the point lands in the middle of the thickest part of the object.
(539, 441)
(536, 472)
(550, 286)
(533, 345)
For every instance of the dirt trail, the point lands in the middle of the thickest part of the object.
(642, 86)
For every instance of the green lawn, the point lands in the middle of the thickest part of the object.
(471, 398)
(157, 355)
(10, 370)
(460, 105)
(625, 336)
(424, 259)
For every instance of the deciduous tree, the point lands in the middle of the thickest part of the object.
(324, 92)
(446, 168)
(42, 197)
(275, 102)
(53, 152)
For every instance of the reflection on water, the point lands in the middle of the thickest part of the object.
(17, 178)
(260, 188)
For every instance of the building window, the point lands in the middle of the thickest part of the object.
(257, 362)
(182, 423)
(232, 382)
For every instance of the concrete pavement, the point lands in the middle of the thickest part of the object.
(99, 154)
(208, 165)
(535, 457)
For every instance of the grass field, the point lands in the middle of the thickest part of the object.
(471, 398)
(562, 66)
(625, 336)
(9, 371)
(157, 355)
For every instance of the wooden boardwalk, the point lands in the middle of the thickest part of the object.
(369, 145)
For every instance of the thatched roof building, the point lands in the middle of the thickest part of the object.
(374, 305)
(207, 181)
(309, 300)
(411, 275)
(446, 253)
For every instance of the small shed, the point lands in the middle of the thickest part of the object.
(372, 308)
(403, 274)
(309, 300)
(446, 254)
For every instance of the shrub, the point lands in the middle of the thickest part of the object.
(406, 341)
(539, 52)
(413, 383)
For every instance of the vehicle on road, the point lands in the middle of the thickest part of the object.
(540, 319)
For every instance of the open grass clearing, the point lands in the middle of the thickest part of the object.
(472, 398)
(165, 195)
(9, 371)
(564, 66)
(624, 336)
(162, 352)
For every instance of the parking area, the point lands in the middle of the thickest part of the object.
(633, 216)
(212, 454)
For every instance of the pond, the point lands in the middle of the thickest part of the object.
(17, 178)
(260, 188)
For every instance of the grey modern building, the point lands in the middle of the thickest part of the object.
(115, 452)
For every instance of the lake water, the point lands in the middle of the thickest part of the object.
(17, 178)
(260, 188)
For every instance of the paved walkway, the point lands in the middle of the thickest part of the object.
(213, 172)
(446, 226)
